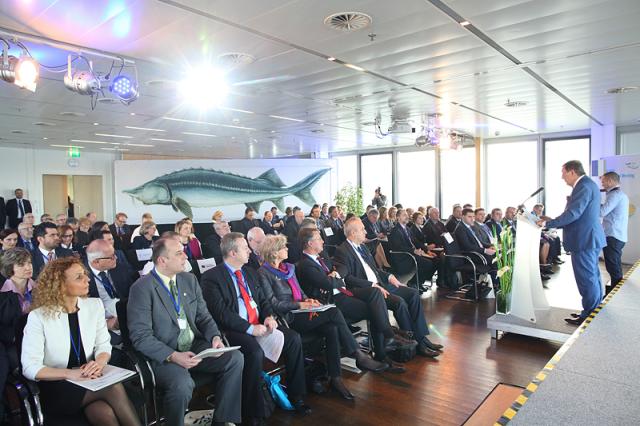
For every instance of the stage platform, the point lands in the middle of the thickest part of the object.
(550, 325)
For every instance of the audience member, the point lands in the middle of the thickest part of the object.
(26, 239)
(468, 241)
(248, 221)
(147, 235)
(455, 219)
(434, 229)
(383, 220)
(324, 212)
(3, 221)
(82, 234)
(92, 216)
(189, 241)
(495, 222)
(220, 229)
(217, 216)
(17, 208)
(379, 200)
(8, 239)
(29, 219)
(61, 219)
(510, 219)
(48, 247)
(120, 231)
(172, 338)
(146, 217)
(46, 217)
(52, 357)
(255, 237)
(18, 271)
(66, 240)
(481, 230)
(243, 309)
(266, 223)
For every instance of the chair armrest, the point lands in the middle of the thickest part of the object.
(476, 255)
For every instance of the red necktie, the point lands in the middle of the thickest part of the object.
(342, 290)
(251, 311)
(51, 256)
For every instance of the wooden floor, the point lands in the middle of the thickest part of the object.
(444, 391)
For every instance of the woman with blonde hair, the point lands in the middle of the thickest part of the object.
(279, 280)
(190, 243)
(66, 338)
(217, 216)
(148, 234)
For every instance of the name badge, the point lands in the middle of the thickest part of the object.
(253, 304)
(182, 323)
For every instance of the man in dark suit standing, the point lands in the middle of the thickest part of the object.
(17, 208)
(320, 280)
(455, 219)
(243, 309)
(48, 247)
(169, 323)
(3, 213)
(359, 270)
(583, 236)
(121, 232)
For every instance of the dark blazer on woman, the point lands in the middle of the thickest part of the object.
(140, 242)
(280, 293)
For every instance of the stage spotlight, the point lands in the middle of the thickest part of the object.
(82, 82)
(204, 87)
(23, 71)
(124, 88)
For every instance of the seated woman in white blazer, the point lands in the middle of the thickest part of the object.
(66, 337)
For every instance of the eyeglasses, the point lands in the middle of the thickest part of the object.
(112, 257)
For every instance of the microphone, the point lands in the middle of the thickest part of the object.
(539, 190)
(521, 207)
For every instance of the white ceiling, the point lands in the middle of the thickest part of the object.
(580, 48)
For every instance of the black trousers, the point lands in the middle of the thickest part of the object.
(407, 309)
(331, 325)
(8, 361)
(369, 304)
(613, 259)
(252, 402)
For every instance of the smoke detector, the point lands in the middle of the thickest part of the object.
(624, 89)
(348, 21)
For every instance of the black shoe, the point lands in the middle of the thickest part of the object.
(574, 321)
(558, 261)
(251, 421)
(393, 367)
(363, 362)
(337, 385)
(354, 328)
(433, 346)
(423, 350)
(317, 386)
(301, 408)
(575, 315)
(544, 277)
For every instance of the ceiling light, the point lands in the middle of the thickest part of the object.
(164, 140)
(96, 124)
(67, 146)
(147, 129)
(286, 118)
(45, 138)
(114, 136)
(331, 58)
(624, 89)
(115, 149)
(23, 72)
(203, 87)
(88, 141)
(82, 82)
(199, 134)
(139, 144)
(354, 67)
(465, 23)
(183, 120)
(124, 88)
(132, 113)
(236, 110)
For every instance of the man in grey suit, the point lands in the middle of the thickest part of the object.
(168, 321)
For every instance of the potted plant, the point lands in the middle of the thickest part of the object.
(349, 197)
(505, 250)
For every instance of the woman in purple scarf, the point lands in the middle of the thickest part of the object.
(279, 282)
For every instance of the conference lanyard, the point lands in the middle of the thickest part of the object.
(76, 349)
(176, 304)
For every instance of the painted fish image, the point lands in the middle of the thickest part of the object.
(200, 187)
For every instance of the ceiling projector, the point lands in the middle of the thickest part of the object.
(401, 127)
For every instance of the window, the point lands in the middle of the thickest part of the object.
(457, 178)
(347, 170)
(556, 153)
(416, 173)
(512, 173)
(376, 170)
(630, 143)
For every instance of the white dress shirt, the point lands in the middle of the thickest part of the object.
(371, 275)
(109, 303)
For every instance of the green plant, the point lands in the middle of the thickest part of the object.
(505, 252)
(349, 197)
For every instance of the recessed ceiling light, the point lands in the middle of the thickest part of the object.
(354, 67)
(96, 124)
(67, 146)
(106, 135)
(88, 141)
(18, 132)
(45, 138)
(286, 118)
(331, 58)
(207, 124)
(115, 149)
(132, 113)
(199, 134)
(72, 114)
(465, 23)
(236, 110)
(139, 144)
(145, 129)
(624, 89)
(165, 140)
(44, 123)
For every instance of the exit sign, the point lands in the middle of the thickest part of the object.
(74, 152)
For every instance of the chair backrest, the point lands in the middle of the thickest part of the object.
(121, 309)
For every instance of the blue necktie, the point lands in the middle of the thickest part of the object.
(363, 252)
(111, 291)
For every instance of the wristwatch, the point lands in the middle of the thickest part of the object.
(168, 359)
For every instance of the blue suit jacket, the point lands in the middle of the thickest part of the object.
(581, 218)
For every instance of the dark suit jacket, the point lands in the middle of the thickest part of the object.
(315, 281)
(120, 276)
(21, 243)
(212, 248)
(37, 260)
(245, 224)
(254, 262)
(350, 268)
(417, 237)
(3, 213)
(291, 231)
(433, 233)
(121, 242)
(267, 227)
(152, 319)
(141, 242)
(12, 211)
(398, 241)
(581, 218)
(369, 228)
(452, 224)
(494, 226)
(466, 241)
(220, 294)
(481, 234)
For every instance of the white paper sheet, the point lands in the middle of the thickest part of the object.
(272, 345)
(110, 375)
(215, 353)
(205, 264)
(144, 254)
(320, 308)
(447, 236)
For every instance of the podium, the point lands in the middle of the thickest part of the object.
(530, 313)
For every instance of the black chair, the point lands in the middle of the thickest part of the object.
(404, 276)
(471, 266)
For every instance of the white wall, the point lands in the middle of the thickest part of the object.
(24, 167)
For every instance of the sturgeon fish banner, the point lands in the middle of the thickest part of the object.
(173, 189)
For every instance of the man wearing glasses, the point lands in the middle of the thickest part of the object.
(107, 280)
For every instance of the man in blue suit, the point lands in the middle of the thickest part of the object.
(583, 236)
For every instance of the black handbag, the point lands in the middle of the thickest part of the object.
(268, 402)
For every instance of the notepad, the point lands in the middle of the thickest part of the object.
(215, 352)
(320, 308)
(110, 376)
